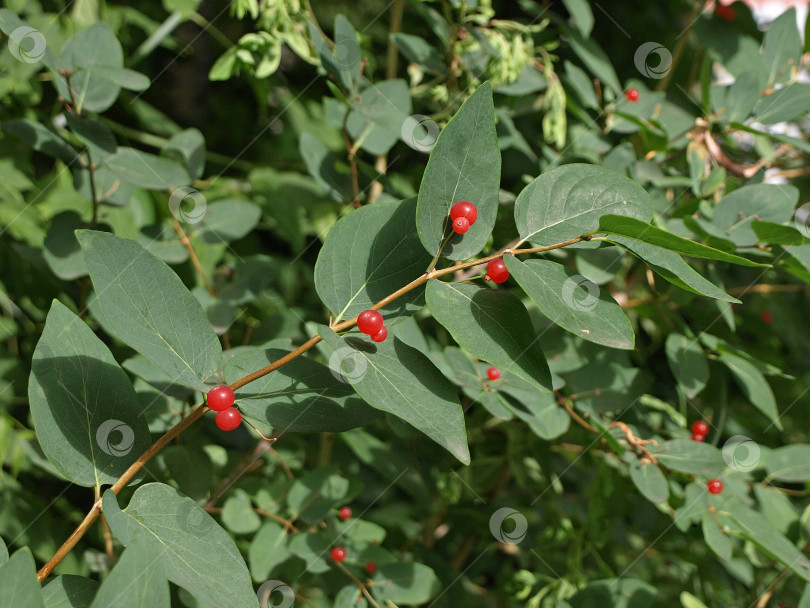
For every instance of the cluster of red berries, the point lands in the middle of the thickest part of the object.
(221, 400)
(463, 214)
(339, 553)
(699, 430)
(370, 322)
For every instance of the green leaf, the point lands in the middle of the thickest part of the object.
(191, 468)
(83, 404)
(90, 48)
(650, 481)
(368, 255)
(3, 552)
(312, 495)
(464, 165)
(97, 136)
(18, 581)
(782, 47)
(690, 601)
(342, 62)
(615, 593)
(776, 507)
(734, 103)
(123, 77)
(546, 418)
(647, 233)
(321, 166)
(405, 583)
(751, 525)
(689, 456)
(238, 515)
(138, 579)
(393, 377)
(383, 108)
(581, 15)
(573, 302)
(267, 550)
(192, 544)
(313, 549)
(568, 201)
(595, 59)
(789, 463)
(717, 540)
(420, 51)
(783, 104)
(302, 396)
(492, 325)
(69, 591)
(778, 234)
(767, 202)
(226, 221)
(150, 309)
(147, 170)
(61, 249)
(688, 364)
(187, 146)
(40, 138)
(673, 268)
(753, 385)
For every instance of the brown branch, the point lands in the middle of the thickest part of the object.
(193, 255)
(197, 413)
(359, 584)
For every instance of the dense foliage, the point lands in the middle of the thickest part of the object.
(589, 391)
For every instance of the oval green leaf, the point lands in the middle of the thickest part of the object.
(464, 165)
(150, 308)
(573, 302)
(568, 201)
(83, 404)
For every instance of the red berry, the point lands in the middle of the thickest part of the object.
(493, 373)
(464, 209)
(496, 269)
(632, 95)
(228, 419)
(715, 486)
(725, 12)
(381, 335)
(371, 567)
(345, 513)
(338, 554)
(220, 398)
(461, 225)
(700, 428)
(369, 322)
(767, 316)
(698, 437)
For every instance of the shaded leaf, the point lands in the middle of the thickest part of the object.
(138, 579)
(688, 363)
(753, 384)
(689, 456)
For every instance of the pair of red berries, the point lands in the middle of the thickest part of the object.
(339, 554)
(221, 400)
(370, 322)
(699, 430)
(463, 214)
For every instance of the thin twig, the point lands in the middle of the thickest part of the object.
(193, 255)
